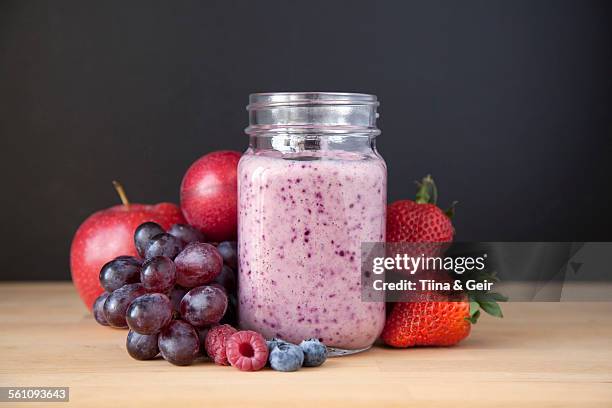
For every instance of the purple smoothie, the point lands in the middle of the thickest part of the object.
(300, 228)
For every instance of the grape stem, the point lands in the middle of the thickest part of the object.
(121, 192)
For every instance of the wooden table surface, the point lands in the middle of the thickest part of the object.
(539, 355)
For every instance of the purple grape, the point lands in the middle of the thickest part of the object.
(117, 303)
(218, 285)
(118, 272)
(149, 313)
(229, 252)
(142, 346)
(231, 316)
(227, 279)
(187, 233)
(164, 244)
(143, 234)
(176, 295)
(131, 258)
(204, 305)
(202, 332)
(197, 265)
(98, 309)
(179, 343)
(158, 274)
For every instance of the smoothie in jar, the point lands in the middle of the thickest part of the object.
(301, 225)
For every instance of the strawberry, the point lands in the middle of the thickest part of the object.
(420, 220)
(427, 324)
(441, 319)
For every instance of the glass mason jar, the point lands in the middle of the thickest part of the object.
(311, 189)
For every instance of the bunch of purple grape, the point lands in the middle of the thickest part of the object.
(183, 286)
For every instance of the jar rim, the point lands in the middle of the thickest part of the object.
(266, 100)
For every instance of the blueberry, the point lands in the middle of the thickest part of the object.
(275, 342)
(286, 357)
(315, 352)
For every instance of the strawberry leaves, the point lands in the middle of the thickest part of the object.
(490, 307)
(427, 193)
(485, 301)
(474, 312)
(450, 211)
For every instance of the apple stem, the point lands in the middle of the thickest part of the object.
(121, 193)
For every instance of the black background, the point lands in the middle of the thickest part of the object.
(507, 103)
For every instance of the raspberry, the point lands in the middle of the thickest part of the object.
(215, 343)
(247, 350)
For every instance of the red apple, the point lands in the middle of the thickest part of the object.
(109, 233)
(209, 195)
